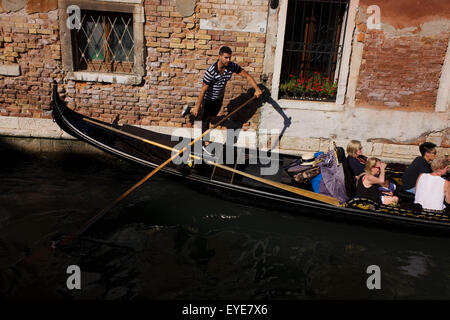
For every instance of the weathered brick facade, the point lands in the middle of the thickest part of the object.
(177, 53)
(400, 68)
(31, 41)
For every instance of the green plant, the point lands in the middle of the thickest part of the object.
(288, 86)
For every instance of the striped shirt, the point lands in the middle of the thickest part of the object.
(216, 81)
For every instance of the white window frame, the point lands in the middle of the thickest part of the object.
(338, 105)
(443, 95)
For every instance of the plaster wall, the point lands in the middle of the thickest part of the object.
(388, 131)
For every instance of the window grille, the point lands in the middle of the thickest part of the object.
(104, 43)
(312, 50)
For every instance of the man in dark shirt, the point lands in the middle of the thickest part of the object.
(213, 90)
(419, 165)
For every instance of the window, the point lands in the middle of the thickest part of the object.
(312, 49)
(104, 42)
(108, 46)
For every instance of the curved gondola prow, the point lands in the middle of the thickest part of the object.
(58, 109)
(56, 99)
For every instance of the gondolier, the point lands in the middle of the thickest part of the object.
(214, 82)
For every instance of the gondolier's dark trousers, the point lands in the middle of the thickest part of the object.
(210, 109)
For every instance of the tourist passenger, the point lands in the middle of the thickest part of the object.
(214, 81)
(355, 159)
(369, 182)
(431, 188)
(419, 165)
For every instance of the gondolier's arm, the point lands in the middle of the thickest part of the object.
(252, 81)
(196, 109)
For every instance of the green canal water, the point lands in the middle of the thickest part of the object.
(168, 241)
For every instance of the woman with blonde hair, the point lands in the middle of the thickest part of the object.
(370, 180)
(355, 159)
(431, 188)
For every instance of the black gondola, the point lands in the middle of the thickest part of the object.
(127, 143)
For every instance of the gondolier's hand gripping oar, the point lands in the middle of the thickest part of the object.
(99, 215)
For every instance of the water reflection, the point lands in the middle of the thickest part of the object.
(417, 264)
(168, 241)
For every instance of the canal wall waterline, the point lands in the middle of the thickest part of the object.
(44, 135)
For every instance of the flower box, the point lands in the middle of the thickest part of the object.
(315, 88)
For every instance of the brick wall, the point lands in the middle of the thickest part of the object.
(401, 72)
(30, 40)
(177, 54)
(401, 63)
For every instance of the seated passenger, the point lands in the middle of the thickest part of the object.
(419, 165)
(447, 175)
(355, 159)
(369, 182)
(431, 188)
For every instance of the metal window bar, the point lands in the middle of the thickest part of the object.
(104, 43)
(314, 40)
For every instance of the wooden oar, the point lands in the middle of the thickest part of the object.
(112, 204)
(299, 191)
(99, 215)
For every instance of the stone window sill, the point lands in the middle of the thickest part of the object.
(310, 105)
(105, 77)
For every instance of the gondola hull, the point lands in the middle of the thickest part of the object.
(120, 141)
